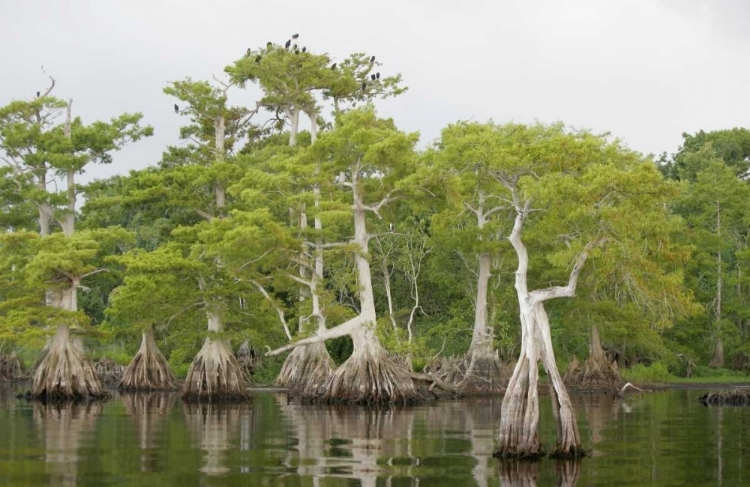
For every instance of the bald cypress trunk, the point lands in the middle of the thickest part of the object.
(597, 373)
(519, 424)
(149, 370)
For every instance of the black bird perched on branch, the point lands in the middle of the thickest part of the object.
(295, 36)
(38, 94)
(288, 43)
(258, 58)
(364, 85)
(304, 49)
(333, 67)
(176, 108)
(248, 52)
(372, 59)
(269, 44)
(377, 75)
(372, 77)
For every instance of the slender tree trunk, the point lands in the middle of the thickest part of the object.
(45, 210)
(293, 114)
(481, 371)
(313, 126)
(718, 359)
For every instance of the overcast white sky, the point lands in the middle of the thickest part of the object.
(645, 70)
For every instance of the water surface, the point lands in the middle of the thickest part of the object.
(661, 438)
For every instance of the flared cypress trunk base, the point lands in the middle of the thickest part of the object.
(519, 420)
(65, 373)
(214, 374)
(306, 371)
(596, 374)
(10, 367)
(149, 370)
(371, 377)
(483, 373)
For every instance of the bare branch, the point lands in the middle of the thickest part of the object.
(279, 311)
(343, 329)
(570, 289)
(94, 272)
(203, 214)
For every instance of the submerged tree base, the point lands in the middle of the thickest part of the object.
(10, 367)
(371, 377)
(596, 374)
(737, 397)
(149, 370)
(215, 374)
(484, 374)
(65, 373)
(513, 454)
(306, 371)
(479, 372)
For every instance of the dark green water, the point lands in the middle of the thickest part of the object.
(662, 438)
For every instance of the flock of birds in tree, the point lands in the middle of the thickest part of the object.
(287, 46)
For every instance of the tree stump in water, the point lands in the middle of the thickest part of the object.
(596, 374)
(149, 370)
(737, 397)
(65, 373)
(10, 367)
(215, 374)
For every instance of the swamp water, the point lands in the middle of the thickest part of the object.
(660, 438)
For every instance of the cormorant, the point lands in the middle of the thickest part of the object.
(288, 43)
(38, 94)
(372, 59)
(304, 49)
(176, 108)
(247, 53)
(364, 85)
(372, 77)
(333, 67)
(391, 227)
(377, 75)
(258, 58)
(295, 36)
(269, 44)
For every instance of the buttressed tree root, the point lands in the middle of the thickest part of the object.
(483, 373)
(65, 373)
(10, 367)
(371, 377)
(149, 370)
(214, 374)
(596, 374)
(306, 371)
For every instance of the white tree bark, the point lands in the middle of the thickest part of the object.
(519, 422)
